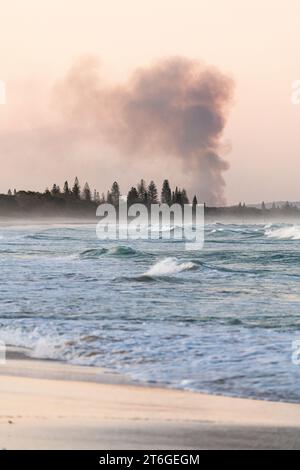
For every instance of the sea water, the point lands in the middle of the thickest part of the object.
(222, 320)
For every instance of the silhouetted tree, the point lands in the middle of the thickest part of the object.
(96, 197)
(180, 197)
(132, 197)
(76, 189)
(263, 206)
(55, 190)
(9, 193)
(166, 194)
(66, 189)
(195, 202)
(184, 197)
(87, 192)
(152, 193)
(115, 194)
(176, 197)
(142, 191)
(109, 199)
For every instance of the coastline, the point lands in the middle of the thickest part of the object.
(51, 405)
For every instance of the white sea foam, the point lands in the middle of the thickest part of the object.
(37, 342)
(45, 342)
(169, 266)
(284, 233)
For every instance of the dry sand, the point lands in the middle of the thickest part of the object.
(46, 405)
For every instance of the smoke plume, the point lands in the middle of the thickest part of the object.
(174, 110)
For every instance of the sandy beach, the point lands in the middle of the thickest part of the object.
(49, 405)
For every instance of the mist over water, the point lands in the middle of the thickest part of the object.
(221, 320)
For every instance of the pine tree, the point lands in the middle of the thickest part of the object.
(166, 194)
(109, 199)
(132, 197)
(9, 193)
(66, 189)
(184, 197)
(195, 202)
(142, 191)
(76, 189)
(55, 190)
(96, 196)
(87, 192)
(115, 194)
(176, 199)
(179, 197)
(152, 193)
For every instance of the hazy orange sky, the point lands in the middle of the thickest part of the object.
(254, 42)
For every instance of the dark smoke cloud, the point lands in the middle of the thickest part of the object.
(175, 109)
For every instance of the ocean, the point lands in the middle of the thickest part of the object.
(223, 320)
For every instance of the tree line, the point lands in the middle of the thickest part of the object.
(142, 193)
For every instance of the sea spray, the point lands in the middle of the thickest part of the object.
(168, 267)
(285, 232)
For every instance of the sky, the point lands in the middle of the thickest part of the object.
(255, 43)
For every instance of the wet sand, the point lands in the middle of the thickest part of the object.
(49, 405)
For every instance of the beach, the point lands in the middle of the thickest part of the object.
(163, 340)
(51, 405)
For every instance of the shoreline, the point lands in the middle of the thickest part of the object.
(51, 405)
(22, 364)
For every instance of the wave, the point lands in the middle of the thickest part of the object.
(168, 267)
(123, 251)
(46, 341)
(94, 253)
(49, 237)
(284, 233)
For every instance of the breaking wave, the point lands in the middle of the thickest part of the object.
(168, 267)
(284, 233)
